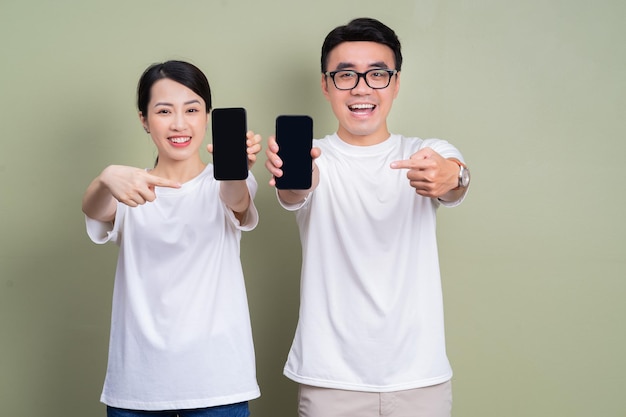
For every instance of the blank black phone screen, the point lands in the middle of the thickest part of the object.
(294, 135)
(230, 159)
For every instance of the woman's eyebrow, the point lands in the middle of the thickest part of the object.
(163, 103)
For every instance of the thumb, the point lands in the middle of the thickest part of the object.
(424, 153)
(413, 161)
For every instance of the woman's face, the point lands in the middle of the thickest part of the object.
(176, 119)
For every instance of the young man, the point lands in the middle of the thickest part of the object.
(370, 338)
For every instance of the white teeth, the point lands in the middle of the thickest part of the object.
(180, 140)
(361, 106)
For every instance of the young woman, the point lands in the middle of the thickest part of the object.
(181, 343)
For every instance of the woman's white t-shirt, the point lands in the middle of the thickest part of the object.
(180, 328)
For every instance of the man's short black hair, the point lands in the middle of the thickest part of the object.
(366, 30)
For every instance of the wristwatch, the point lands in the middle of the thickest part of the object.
(464, 174)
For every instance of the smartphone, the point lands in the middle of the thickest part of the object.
(294, 135)
(230, 158)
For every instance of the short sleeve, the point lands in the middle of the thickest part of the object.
(103, 232)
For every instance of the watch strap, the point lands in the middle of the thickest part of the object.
(462, 166)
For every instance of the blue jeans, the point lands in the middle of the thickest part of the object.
(228, 410)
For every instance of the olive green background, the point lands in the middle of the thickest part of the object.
(534, 268)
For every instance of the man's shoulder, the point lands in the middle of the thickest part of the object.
(412, 142)
(422, 143)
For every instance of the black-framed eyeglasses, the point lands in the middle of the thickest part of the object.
(375, 78)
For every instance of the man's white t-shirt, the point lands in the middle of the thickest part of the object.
(371, 312)
(180, 326)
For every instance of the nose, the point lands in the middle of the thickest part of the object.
(361, 85)
(178, 122)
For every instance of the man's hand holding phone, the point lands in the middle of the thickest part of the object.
(290, 158)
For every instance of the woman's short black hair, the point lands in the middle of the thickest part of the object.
(182, 72)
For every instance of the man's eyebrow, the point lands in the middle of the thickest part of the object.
(344, 65)
(378, 64)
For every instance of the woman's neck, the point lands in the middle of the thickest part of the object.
(180, 171)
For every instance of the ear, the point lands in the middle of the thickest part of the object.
(144, 122)
(324, 85)
(397, 86)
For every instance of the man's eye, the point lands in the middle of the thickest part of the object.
(378, 74)
(346, 75)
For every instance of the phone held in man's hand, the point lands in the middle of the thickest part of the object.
(294, 136)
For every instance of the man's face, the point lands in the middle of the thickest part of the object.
(361, 112)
